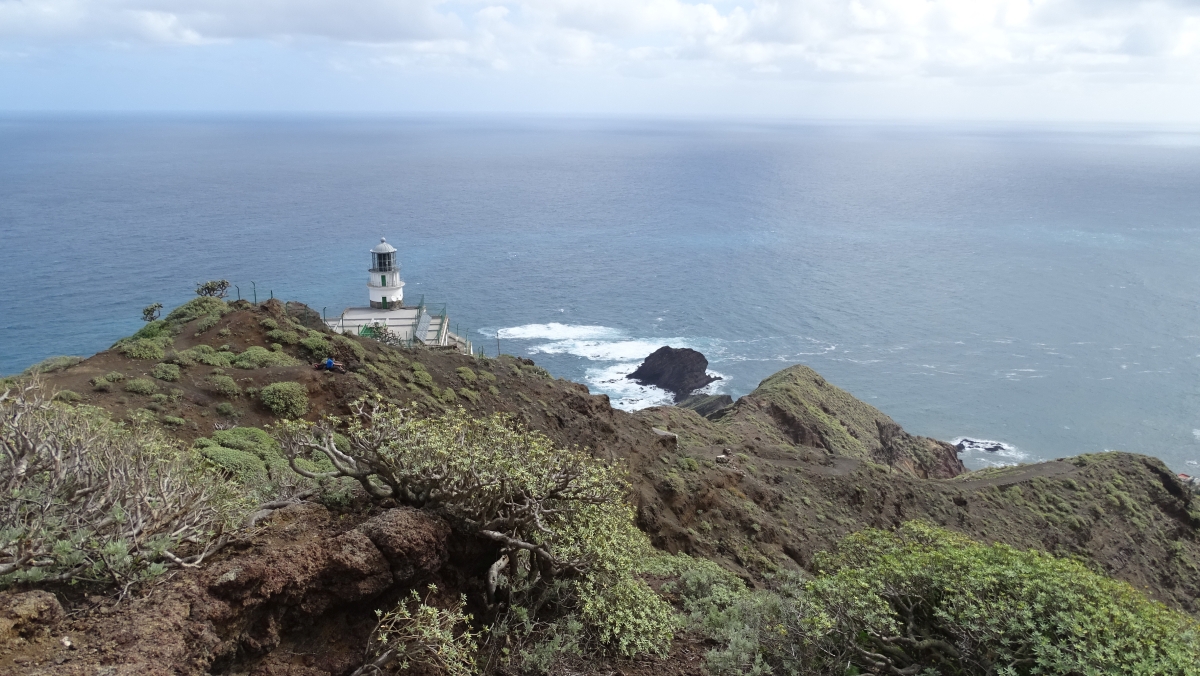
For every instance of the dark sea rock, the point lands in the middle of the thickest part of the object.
(679, 371)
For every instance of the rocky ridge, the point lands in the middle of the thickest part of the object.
(758, 486)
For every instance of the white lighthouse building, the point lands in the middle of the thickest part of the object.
(384, 286)
(417, 324)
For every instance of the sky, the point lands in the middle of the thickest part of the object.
(1105, 61)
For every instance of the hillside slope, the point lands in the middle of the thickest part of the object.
(781, 475)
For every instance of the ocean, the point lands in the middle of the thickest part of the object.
(1035, 287)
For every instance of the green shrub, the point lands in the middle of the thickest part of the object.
(925, 600)
(141, 386)
(495, 392)
(238, 463)
(285, 337)
(487, 376)
(144, 348)
(196, 308)
(224, 333)
(562, 512)
(227, 410)
(207, 323)
(466, 374)
(52, 365)
(268, 323)
(469, 394)
(418, 634)
(101, 385)
(67, 396)
(225, 386)
(173, 421)
(78, 524)
(316, 344)
(114, 376)
(448, 395)
(250, 439)
(276, 347)
(159, 398)
(258, 357)
(167, 372)
(285, 399)
(183, 358)
(422, 378)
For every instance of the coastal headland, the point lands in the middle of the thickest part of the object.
(761, 487)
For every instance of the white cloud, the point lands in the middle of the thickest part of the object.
(812, 38)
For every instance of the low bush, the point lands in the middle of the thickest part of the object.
(141, 386)
(227, 410)
(90, 500)
(225, 386)
(101, 385)
(173, 421)
(52, 365)
(114, 376)
(167, 372)
(448, 396)
(560, 513)
(419, 635)
(422, 378)
(268, 323)
(67, 396)
(258, 357)
(196, 308)
(467, 375)
(469, 394)
(316, 344)
(925, 600)
(206, 323)
(145, 348)
(283, 336)
(285, 399)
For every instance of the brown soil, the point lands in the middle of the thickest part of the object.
(769, 482)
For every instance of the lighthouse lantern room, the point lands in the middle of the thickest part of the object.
(384, 285)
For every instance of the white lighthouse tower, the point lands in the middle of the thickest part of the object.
(388, 319)
(384, 285)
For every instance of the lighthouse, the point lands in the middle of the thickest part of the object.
(387, 318)
(384, 285)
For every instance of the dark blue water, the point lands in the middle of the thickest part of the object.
(1034, 287)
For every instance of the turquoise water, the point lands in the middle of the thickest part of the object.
(1030, 286)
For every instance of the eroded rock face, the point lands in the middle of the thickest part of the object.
(413, 542)
(679, 371)
(27, 613)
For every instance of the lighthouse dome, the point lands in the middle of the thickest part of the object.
(383, 247)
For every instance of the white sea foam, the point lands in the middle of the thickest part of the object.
(979, 453)
(1196, 433)
(556, 331)
(626, 394)
(604, 350)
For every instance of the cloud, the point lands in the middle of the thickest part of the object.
(985, 40)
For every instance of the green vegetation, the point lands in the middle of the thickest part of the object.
(258, 357)
(144, 348)
(268, 323)
(283, 336)
(316, 344)
(67, 396)
(560, 512)
(227, 410)
(215, 288)
(925, 600)
(91, 500)
(207, 323)
(466, 374)
(167, 372)
(141, 386)
(52, 365)
(285, 399)
(152, 312)
(196, 308)
(417, 633)
(225, 386)
(352, 345)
